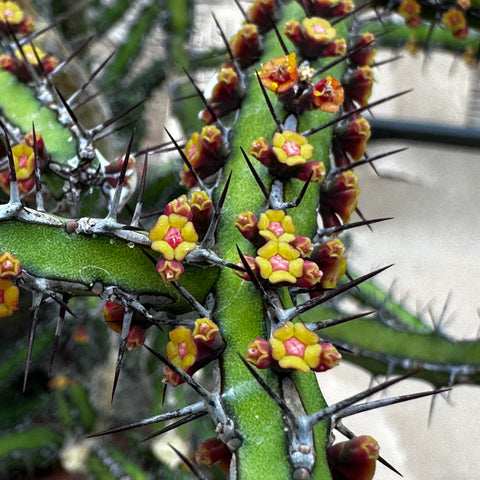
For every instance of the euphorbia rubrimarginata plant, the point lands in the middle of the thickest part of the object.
(221, 270)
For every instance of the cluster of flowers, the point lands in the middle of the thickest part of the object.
(9, 269)
(177, 231)
(453, 19)
(24, 160)
(36, 58)
(192, 350)
(14, 20)
(282, 256)
(113, 314)
(293, 346)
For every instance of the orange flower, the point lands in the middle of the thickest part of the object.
(279, 74)
(328, 95)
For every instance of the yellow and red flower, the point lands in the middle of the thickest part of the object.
(279, 262)
(295, 346)
(8, 298)
(291, 148)
(9, 266)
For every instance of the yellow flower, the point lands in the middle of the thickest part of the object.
(10, 12)
(275, 225)
(181, 349)
(8, 298)
(24, 159)
(291, 148)
(9, 266)
(295, 346)
(173, 236)
(319, 30)
(279, 262)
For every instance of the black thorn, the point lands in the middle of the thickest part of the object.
(278, 35)
(116, 117)
(242, 11)
(365, 160)
(302, 193)
(174, 425)
(38, 183)
(271, 393)
(349, 114)
(160, 147)
(386, 61)
(36, 33)
(336, 409)
(186, 161)
(209, 239)
(106, 133)
(113, 210)
(11, 162)
(321, 324)
(202, 96)
(262, 186)
(340, 59)
(37, 299)
(312, 303)
(70, 112)
(340, 228)
(63, 64)
(202, 391)
(353, 12)
(364, 219)
(90, 79)
(269, 104)
(195, 470)
(127, 321)
(162, 417)
(58, 330)
(227, 47)
(138, 206)
(253, 277)
(197, 306)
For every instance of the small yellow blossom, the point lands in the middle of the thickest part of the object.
(295, 346)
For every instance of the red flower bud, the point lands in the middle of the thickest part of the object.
(259, 353)
(354, 459)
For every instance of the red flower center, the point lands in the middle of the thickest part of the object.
(173, 237)
(276, 228)
(294, 347)
(279, 263)
(318, 28)
(22, 161)
(182, 350)
(291, 148)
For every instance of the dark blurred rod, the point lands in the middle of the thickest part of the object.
(383, 129)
